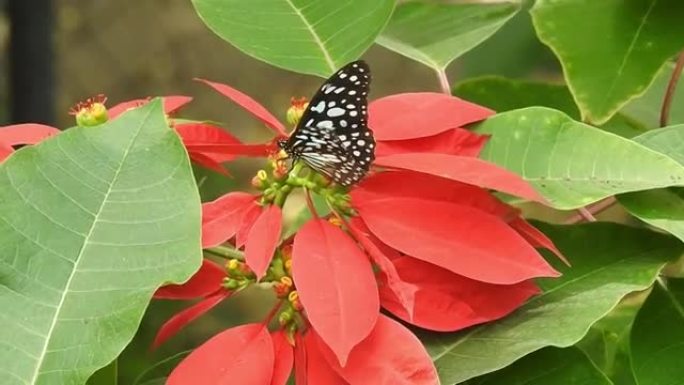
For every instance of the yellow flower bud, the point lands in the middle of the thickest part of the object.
(296, 110)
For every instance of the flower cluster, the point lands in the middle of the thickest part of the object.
(421, 237)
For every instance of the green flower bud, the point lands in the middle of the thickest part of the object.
(91, 112)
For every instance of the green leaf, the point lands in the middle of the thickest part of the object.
(502, 94)
(573, 164)
(607, 343)
(92, 222)
(667, 140)
(309, 36)
(156, 381)
(610, 50)
(109, 375)
(662, 208)
(608, 261)
(160, 369)
(646, 108)
(548, 366)
(658, 336)
(435, 34)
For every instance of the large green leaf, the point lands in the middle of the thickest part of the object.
(437, 33)
(573, 164)
(92, 221)
(547, 366)
(658, 336)
(662, 208)
(646, 108)
(501, 94)
(667, 140)
(610, 50)
(308, 36)
(608, 261)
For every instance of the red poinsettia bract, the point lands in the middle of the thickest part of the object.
(421, 237)
(21, 134)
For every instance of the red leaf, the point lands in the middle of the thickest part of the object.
(391, 355)
(448, 302)
(255, 150)
(404, 292)
(410, 184)
(421, 114)
(536, 238)
(204, 133)
(315, 369)
(196, 134)
(459, 238)
(174, 103)
(206, 281)
(178, 321)
(222, 217)
(122, 107)
(456, 141)
(336, 285)
(249, 216)
(263, 239)
(28, 133)
(284, 358)
(300, 361)
(5, 151)
(208, 162)
(463, 169)
(171, 105)
(248, 104)
(242, 355)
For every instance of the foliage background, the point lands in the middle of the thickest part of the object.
(130, 48)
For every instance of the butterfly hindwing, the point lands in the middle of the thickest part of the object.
(332, 136)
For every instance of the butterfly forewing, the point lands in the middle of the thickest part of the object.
(332, 136)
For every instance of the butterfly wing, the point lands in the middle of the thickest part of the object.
(332, 136)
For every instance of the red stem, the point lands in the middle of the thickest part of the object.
(310, 204)
(587, 213)
(669, 93)
(443, 81)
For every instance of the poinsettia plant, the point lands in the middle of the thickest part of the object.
(403, 237)
(385, 242)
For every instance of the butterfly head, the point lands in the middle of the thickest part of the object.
(282, 144)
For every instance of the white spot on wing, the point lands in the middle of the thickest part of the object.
(325, 124)
(319, 107)
(335, 111)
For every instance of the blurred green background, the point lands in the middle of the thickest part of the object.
(129, 49)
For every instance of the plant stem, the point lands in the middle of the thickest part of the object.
(282, 195)
(310, 204)
(587, 213)
(669, 93)
(443, 81)
(226, 252)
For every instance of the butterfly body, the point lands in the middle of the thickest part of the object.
(333, 137)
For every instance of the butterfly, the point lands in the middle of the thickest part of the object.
(332, 136)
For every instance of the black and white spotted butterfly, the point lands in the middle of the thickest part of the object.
(332, 137)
